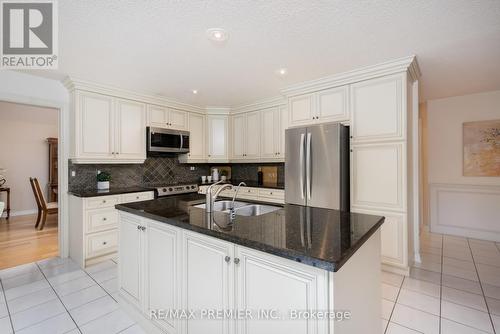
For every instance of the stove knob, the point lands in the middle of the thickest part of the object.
(170, 189)
(164, 190)
(192, 187)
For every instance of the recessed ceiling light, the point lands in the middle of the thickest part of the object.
(195, 91)
(282, 71)
(217, 34)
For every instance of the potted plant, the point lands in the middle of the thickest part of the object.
(103, 179)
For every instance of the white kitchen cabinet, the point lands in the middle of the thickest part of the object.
(130, 130)
(131, 284)
(168, 118)
(107, 129)
(378, 176)
(217, 132)
(301, 109)
(93, 232)
(327, 105)
(196, 137)
(264, 282)
(94, 127)
(238, 136)
(162, 274)
(246, 136)
(208, 281)
(283, 127)
(268, 195)
(270, 133)
(378, 109)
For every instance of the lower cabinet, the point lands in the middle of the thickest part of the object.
(165, 268)
(208, 280)
(131, 260)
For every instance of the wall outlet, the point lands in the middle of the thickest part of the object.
(73, 173)
(192, 168)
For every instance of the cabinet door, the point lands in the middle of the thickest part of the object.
(264, 282)
(217, 137)
(301, 109)
(252, 135)
(378, 176)
(377, 109)
(130, 130)
(196, 136)
(332, 104)
(270, 133)
(131, 260)
(177, 119)
(208, 279)
(157, 116)
(239, 136)
(95, 119)
(162, 272)
(283, 127)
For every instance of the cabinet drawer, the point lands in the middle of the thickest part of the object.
(137, 197)
(102, 243)
(101, 219)
(272, 193)
(246, 192)
(102, 202)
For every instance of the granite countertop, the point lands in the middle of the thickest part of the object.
(318, 237)
(252, 184)
(110, 191)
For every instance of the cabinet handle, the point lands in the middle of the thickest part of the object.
(236, 260)
(227, 259)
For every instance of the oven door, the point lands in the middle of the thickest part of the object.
(166, 140)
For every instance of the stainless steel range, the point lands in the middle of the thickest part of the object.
(175, 189)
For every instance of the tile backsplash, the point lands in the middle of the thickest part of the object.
(157, 170)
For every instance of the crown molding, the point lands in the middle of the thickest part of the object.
(406, 64)
(259, 105)
(218, 110)
(71, 84)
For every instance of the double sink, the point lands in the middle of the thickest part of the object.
(241, 208)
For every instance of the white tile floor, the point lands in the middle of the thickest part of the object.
(55, 296)
(456, 289)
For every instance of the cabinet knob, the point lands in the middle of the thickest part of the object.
(104, 201)
(104, 219)
(137, 197)
(227, 259)
(270, 193)
(138, 227)
(236, 260)
(104, 242)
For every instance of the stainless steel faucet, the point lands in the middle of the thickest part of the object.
(209, 199)
(231, 209)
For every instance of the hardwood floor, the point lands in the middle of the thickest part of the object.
(21, 243)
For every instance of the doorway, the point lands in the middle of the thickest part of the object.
(29, 164)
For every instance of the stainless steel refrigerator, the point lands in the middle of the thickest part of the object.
(317, 166)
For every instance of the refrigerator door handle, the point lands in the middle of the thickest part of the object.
(301, 161)
(308, 166)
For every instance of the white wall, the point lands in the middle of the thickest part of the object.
(467, 206)
(24, 150)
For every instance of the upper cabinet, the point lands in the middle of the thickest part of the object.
(377, 108)
(107, 129)
(327, 105)
(196, 126)
(217, 132)
(168, 118)
(246, 136)
(273, 125)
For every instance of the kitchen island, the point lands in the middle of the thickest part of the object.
(295, 269)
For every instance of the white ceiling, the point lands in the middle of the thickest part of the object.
(160, 47)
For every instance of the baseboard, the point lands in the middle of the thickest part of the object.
(19, 213)
(396, 270)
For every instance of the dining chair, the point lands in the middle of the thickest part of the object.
(44, 208)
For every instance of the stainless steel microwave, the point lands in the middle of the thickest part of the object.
(167, 140)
